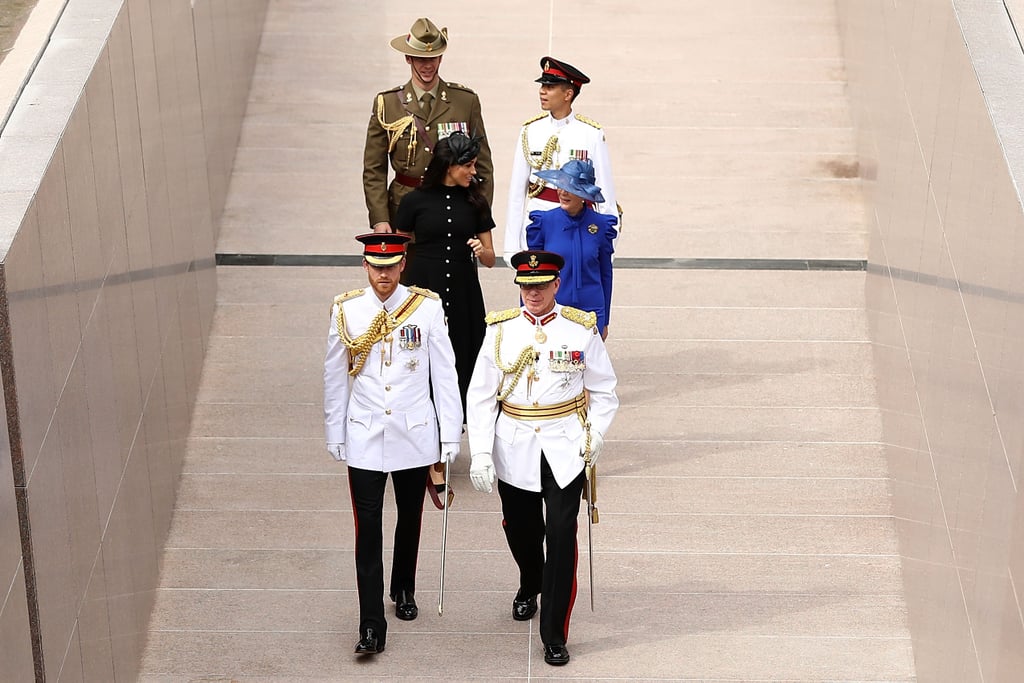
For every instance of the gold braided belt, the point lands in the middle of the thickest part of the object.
(574, 406)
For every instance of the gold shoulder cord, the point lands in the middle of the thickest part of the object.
(586, 318)
(589, 121)
(545, 160)
(382, 325)
(526, 359)
(360, 347)
(396, 128)
(422, 291)
(501, 316)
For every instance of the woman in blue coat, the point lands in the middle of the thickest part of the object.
(580, 235)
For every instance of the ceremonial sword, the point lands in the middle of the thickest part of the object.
(444, 541)
(590, 494)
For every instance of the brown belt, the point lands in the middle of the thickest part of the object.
(409, 181)
(574, 406)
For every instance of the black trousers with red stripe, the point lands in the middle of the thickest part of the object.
(367, 489)
(532, 519)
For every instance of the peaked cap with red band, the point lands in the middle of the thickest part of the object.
(555, 71)
(383, 248)
(535, 267)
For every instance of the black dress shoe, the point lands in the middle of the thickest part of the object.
(369, 643)
(556, 655)
(405, 606)
(523, 608)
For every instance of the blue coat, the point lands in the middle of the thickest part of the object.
(585, 242)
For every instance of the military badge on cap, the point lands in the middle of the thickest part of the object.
(555, 71)
(424, 39)
(383, 248)
(534, 267)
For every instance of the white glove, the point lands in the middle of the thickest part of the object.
(337, 451)
(481, 472)
(449, 451)
(596, 444)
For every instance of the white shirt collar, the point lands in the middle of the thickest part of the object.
(396, 298)
(561, 123)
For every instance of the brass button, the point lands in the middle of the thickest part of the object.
(388, 411)
(387, 388)
(536, 429)
(387, 363)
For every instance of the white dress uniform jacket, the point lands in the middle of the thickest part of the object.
(576, 139)
(516, 445)
(384, 414)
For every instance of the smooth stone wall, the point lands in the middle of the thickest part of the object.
(116, 162)
(936, 89)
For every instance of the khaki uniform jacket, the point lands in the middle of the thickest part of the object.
(515, 445)
(385, 414)
(455, 104)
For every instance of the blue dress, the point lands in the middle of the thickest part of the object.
(585, 242)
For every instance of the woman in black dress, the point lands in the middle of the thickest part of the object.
(450, 220)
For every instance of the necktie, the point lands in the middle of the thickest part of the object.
(425, 103)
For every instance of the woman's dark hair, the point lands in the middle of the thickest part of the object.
(455, 150)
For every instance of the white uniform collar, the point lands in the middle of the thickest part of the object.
(395, 300)
(544, 319)
(561, 123)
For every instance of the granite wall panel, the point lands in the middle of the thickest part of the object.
(935, 91)
(15, 634)
(117, 158)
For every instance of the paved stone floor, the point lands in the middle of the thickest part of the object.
(745, 528)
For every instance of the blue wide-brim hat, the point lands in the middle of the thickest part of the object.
(575, 177)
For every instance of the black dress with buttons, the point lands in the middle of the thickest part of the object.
(442, 221)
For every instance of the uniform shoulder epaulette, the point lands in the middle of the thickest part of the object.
(586, 318)
(395, 89)
(532, 119)
(501, 316)
(351, 294)
(422, 291)
(588, 121)
(459, 86)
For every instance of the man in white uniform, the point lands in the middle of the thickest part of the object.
(387, 347)
(546, 142)
(541, 399)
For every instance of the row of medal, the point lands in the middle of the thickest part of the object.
(446, 129)
(563, 360)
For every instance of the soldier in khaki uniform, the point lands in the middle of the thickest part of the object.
(408, 120)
